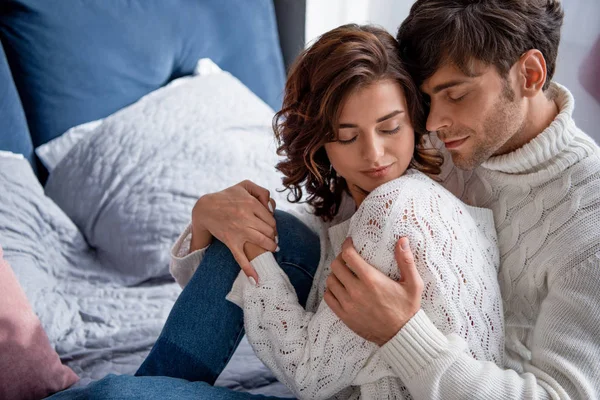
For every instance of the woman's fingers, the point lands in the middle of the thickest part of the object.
(242, 260)
(258, 192)
(259, 239)
(267, 230)
(263, 213)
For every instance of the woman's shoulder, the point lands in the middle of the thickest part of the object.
(413, 185)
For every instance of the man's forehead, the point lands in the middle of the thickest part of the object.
(449, 74)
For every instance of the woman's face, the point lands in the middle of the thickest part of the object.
(375, 138)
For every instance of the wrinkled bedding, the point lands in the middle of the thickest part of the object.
(92, 251)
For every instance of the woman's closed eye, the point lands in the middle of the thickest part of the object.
(347, 141)
(384, 131)
(390, 131)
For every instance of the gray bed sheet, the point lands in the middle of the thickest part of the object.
(97, 324)
(85, 247)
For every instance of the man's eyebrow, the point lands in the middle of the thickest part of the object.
(388, 116)
(446, 85)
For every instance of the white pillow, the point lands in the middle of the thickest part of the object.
(10, 154)
(131, 184)
(52, 152)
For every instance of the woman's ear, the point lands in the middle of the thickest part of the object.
(532, 72)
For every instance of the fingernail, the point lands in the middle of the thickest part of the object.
(276, 239)
(270, 206)
(404, 244)
(252, 281)
(277, 249)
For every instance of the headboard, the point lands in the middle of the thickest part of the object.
(80, 60)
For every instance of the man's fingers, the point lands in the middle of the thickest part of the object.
(406, 264)
(354, 261)
(342, 272)
(333, 303)
(259, 192)
(337, 289)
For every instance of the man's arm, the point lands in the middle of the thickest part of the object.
(565, 350)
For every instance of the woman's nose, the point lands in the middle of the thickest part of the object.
(373, 149)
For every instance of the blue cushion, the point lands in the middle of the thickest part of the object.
(80, 60)
(14, 135)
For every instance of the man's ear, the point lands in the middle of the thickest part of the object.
(532, 72)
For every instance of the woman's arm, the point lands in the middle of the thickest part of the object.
(315, 354)
(237, 215)
(184, 259)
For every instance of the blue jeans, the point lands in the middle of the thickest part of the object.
(203, 329)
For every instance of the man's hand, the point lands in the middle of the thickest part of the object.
(235, 216)
(373, 305)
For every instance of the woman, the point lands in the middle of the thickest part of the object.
(347, 127)
(351, 131)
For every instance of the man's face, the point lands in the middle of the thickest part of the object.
(477, 115)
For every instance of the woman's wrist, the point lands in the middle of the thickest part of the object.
(200, 238)
(252, 251)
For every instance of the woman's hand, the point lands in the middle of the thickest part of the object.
(237, 215)
(252, 251)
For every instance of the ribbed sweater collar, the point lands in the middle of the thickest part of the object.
(545, 147)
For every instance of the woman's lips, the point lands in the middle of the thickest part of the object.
(378, 172)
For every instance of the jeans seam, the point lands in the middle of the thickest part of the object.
(237, 341)
(298, 267)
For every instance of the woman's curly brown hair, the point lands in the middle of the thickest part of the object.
(339, 62)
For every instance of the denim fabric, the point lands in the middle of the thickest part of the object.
(126, 387)
(204, 329)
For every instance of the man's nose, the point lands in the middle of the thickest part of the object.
(437, 119)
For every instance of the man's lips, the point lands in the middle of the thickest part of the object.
(454, 143)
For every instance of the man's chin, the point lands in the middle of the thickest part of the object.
(466, 162)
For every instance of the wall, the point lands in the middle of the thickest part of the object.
(580, 31)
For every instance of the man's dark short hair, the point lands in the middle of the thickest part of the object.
(496, 32)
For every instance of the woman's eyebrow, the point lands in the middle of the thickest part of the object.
(388, 116)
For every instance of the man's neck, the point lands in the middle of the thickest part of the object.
(541, 111)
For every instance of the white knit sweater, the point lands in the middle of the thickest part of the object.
(456, 253)
(545, 198)
(546, 207)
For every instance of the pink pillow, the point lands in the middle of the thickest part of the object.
(30, 368)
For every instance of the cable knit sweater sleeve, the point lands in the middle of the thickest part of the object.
(564, 355)
(183, 263)
(316, 355)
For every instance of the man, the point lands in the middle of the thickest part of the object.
(485, 68)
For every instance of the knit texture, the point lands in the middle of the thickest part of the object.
(318, 356)
(546, 208)
(546, 205)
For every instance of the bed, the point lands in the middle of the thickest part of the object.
(114, 118)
